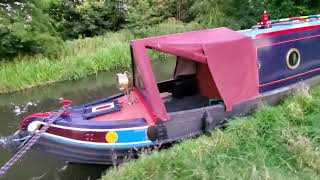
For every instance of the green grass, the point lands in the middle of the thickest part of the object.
(79, 58)
(280, 142)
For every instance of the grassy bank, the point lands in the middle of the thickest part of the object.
(279, 142)
(79, 58)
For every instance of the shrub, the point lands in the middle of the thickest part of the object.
(87, 18)
(25, 29)
(156, 12)
(240, 14)
(167, 27)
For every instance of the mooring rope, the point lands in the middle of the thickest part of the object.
(33, 139)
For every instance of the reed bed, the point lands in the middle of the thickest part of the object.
(280, 142)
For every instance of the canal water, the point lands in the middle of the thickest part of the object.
(16, 106)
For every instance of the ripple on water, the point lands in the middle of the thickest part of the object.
(18, 110)
(3, 142)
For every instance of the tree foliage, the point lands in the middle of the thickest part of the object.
(87, 18)
(143, 14)
(241, 14)
(37, 26)
(289, 8)
(25, 29)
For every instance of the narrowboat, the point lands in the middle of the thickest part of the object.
(220, 73)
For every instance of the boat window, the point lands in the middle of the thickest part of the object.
(163, 64)
(293, 58)
(184, 67)
(183, 84)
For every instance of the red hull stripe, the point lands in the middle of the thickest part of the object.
(260, 45)
(286, 31)
(288, 78)
(89, 136)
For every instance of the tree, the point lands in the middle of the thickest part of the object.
(87, 18)
(211, 13)
(241, 14)
(289, 8)
(142, 14)
(26, 29)
(180, 9)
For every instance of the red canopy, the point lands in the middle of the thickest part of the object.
(230, 55)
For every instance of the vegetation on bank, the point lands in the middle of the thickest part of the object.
(78, 58)
(54, 40)
(48, 41)
(280, 142)
(41, 27)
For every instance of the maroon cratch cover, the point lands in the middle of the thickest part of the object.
(230, 56)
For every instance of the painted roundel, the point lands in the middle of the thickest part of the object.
(293, 58)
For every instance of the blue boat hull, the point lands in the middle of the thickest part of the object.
(272, 51)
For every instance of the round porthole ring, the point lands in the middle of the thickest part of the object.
(288, 58)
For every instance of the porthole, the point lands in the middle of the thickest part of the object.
(293, 58)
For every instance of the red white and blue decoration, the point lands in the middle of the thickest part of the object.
(104, 108)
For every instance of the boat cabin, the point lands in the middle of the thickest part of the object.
(225, 66)
(213, 66)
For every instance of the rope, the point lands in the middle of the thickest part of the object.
(33, 139)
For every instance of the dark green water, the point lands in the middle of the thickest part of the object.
(16, 106)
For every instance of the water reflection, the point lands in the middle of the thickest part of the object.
(18, 110)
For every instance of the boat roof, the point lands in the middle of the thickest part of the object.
(279, 27)
(230, 55)
(190, 44)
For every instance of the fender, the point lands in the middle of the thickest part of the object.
(37, 116)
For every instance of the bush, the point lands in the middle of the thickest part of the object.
(26, 30)
(87, 18)
(167, 27)
(241, 14)
(156, 12)
(211, 13)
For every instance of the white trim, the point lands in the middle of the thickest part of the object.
(94, 130)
